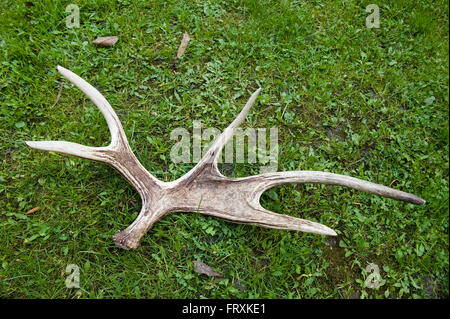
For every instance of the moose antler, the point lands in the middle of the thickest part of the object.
(203, 189)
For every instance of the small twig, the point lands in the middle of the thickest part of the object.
(355, 162)
(183, 45)
(59, 95)
(393, 182)
(31, 211)
(304, 275)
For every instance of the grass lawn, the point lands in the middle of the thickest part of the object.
(367, 102)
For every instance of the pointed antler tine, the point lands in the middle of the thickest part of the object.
(99, 100)
(280, 221)
(240, 118)
(215, 150)
(270, 180)
(92, 153)
(252, 213)
(210, 157)
(118, 137)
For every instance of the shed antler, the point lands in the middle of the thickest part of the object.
(203, 189)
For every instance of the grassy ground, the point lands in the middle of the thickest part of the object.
(371, 103)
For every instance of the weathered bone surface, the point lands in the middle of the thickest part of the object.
(203, 189)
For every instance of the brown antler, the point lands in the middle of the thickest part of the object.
(203, 189)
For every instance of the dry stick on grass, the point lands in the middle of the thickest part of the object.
(59, 94)
(183, 45)
(202, 268)
(106, 41)
(203, 189)
(33, 210)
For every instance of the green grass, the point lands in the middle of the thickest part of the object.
(371, 103)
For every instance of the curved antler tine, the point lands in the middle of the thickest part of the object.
(269, 180)
(99, 100)
(215, 150)
(117, 154)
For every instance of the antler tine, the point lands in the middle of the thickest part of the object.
(210, 158)
(269, 180)
(216, 149)
(245, 210)
(114, 125)
(279, 221)
(69, 148)
(117, 154)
